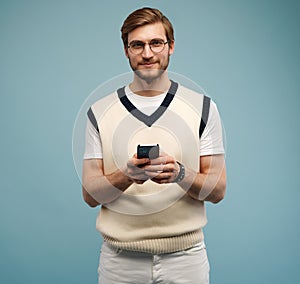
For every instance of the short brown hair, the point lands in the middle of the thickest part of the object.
(142, 17)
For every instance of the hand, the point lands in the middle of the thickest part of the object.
(136, 169)
(164, 169)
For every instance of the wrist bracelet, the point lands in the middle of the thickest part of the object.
(181, 174)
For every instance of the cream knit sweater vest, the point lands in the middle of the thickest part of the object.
(150, 217)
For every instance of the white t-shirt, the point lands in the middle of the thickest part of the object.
(211, 142)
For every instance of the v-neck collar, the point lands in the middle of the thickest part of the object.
(148, 119)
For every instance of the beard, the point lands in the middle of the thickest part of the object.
(148, 74)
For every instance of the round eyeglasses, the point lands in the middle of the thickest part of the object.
(156, 46)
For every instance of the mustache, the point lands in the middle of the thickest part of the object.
(147, 62)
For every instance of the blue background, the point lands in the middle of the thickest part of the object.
(245, 54)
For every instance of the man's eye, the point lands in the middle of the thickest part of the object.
(156, 43)
(137, 45)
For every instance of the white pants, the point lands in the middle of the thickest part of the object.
(119, 266)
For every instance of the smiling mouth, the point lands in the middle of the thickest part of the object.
(147, 64)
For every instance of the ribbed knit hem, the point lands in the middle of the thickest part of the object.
(159, 246)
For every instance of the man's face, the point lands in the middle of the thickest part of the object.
(149, 65)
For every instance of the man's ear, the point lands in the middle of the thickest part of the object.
(171, 47)
(126, 51)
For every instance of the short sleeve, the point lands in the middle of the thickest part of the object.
(93, 146)
(211, 141)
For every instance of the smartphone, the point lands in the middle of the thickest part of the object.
(150, 151)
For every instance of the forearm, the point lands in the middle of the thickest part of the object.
(100, 188)
(207, 187)
(105, 189)
(209, 184)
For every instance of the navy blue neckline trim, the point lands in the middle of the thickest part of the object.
(148, 119)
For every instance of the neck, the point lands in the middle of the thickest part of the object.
(150, 89)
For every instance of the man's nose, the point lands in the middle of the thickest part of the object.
(147, 52)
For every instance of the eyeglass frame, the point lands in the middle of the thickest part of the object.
(149, 43)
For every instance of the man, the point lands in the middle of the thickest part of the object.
(152, 211)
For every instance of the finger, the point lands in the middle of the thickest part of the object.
(154, 168)
(161, 167)
(161, 181)
(151, 174)
(162, 160)
(162, 175)
(134, 162)
(140, 161)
